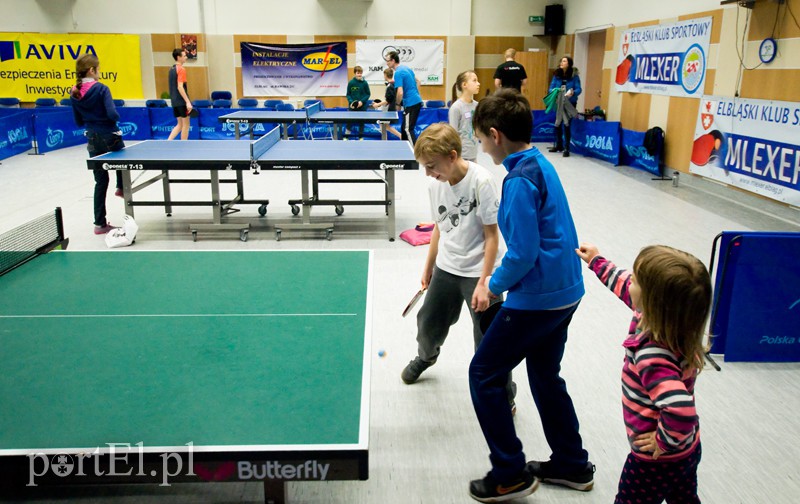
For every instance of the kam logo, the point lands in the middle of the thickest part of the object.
(321, 62)
(54, 137)
(9, 50)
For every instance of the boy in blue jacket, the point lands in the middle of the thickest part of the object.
(544, 285)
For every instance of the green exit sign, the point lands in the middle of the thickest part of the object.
(536, 19)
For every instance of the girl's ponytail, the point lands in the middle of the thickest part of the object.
(82, 67)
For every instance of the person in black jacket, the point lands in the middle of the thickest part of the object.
(94, 109)
(390, 101)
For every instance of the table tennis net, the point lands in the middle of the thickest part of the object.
(25, 242)
(262, 145)
(313, 109)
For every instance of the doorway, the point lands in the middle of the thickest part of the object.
(590, 49)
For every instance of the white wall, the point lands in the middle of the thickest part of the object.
(581, 14)
(284, 17)
(89, 16)
(506, 18)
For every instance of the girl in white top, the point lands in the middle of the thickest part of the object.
(461, 110)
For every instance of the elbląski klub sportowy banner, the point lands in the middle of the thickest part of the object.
(294, 69)
(42, 65)
(425, 57)
(667, 59)
(751, 144)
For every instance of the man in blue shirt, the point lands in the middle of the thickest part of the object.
(542, 276)
(407, 93)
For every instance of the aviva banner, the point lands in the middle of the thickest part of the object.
(294, 69)
(667, 59)
(42, 65)
(750, 144)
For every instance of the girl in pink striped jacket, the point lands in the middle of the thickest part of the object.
(669, 292)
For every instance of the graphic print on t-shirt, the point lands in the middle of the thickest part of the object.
(449, 218)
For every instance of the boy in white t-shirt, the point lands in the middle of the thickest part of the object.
(464, 246)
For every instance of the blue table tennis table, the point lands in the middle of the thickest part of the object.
(311, 114)
(270, 152)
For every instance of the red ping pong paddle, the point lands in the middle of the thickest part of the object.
(194, 113)
(705, 146)
(413, 302)
(624, 70)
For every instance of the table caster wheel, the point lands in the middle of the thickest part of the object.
(262, 210)
(329, 234)
(243, 235)
(277, 235)
(194, 235)
(295, 210)
(339, 209)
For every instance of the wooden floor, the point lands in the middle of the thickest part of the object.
(425, 443)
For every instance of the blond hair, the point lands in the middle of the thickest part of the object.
(510, 53)
(675, 301)
(438, 139)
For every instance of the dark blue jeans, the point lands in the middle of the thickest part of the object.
(101, 143)
(538, 337)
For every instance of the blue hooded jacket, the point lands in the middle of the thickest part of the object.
(95, 108)
(573, 83)
(540, 270)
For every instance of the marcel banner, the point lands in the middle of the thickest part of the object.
(751, 144)
(294, 69)
(42, 65)
(667, 59)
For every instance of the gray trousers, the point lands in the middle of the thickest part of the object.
(441, 309)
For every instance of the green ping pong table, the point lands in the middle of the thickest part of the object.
(162, 367)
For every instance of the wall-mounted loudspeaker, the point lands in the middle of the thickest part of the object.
(554, 20)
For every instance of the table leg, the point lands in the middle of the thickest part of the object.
(274, 492)
(217, 208)
(304, 192)
(167, 193)
(236, 130)
(335, 131)
(127, 192)
(390, 224)
(383, 131)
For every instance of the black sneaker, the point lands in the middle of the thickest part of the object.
(415, 368)
(566, 153)
(583, 481)
(489, 490)
(555, 149)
